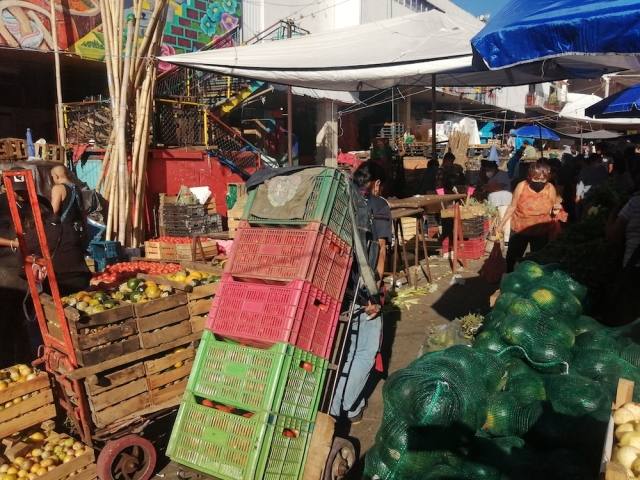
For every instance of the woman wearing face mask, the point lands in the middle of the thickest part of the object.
(530, 213)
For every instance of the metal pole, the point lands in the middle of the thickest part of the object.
(289, 112)
(56, 56)
(434, 143)
(541, 150)
(504, 126)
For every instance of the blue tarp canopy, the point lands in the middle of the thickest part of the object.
(580, 37)
(489, 130)
(623, 104)
(536, 131)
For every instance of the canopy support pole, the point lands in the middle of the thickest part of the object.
(56, 56)
(434, 143)
(289, 112)
(541, 149)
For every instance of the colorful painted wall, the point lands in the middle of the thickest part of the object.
(191, 24)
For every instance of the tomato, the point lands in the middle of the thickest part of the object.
(223, 408)
(247, 415)
(287, 432)
(335, 248)
(206, 403)
(306, 366)
(323, 307)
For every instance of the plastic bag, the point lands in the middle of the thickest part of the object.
(494, 266)
(443, 336)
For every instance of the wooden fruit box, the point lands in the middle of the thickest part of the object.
(16, 148)
(610, 470)
(160, 250)
(50, 152)
(167, 376)
(96, 337)
(80, 468)
(493, 298)
(117, 393)
(184, 252)
(162, 320)
(28, 412)
(200, 299)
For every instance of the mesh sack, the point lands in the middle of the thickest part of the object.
(529, 270)
(506, 418)
(526, 388)
(516, 366)
(489, 343)
(524, 308)
(509, 455)
(493, 320)
(594, 364)
(544, 344)
(548, 299)
(577, 396)
(631, 353)
(513, 284)
(504, 299)
(568, 284)
(557, 430)
(598, 340)
(629, 332)
(570, 306)
(584, 324)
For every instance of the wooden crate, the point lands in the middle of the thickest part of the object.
(160, 250)
(184, 252)
(80, 468)
(166, 381)
(117, 393)
(200, 299)
(493, 298)
(50, 152)
(609, 469)
(162, 320)
(15, 149)
(97, 337)
(32, 411)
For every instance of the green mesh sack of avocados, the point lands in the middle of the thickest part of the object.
(526, 309)
(577, 396)
(493, 320)
(543, 343)
(526, 388)
(598, 340)
(630, 352)
(516, 366)
(585, 324)
(504, 299)
(531, 271)
(548, 299)
(505, 417)
(512, 284)
(489, 342)
(605, 367)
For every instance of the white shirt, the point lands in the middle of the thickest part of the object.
(501, 197)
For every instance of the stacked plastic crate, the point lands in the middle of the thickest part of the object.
(252, 398)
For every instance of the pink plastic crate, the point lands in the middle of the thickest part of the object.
(260, 315)
(474, 247)
(277, 256)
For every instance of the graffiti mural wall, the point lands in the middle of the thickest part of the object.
(191, 24)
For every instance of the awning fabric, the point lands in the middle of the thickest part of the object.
(622, 104)
(602, 33)
(398, 51)
(575, 108)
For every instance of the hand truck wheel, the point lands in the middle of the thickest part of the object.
(341, 459)
(127, 458)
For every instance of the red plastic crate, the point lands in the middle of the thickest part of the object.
(260, 315)
(277, 256)
(474, 247)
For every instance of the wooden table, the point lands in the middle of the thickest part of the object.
(397, 214)
(400, 209)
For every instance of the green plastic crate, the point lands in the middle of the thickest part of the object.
(327, 204)
(255, 379)
(232, 447)
(283, 457)
(302, 388)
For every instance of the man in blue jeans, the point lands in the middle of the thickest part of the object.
(366, 321)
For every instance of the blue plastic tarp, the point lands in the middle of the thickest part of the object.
(532, 30)
(623, 104)
(535, 131)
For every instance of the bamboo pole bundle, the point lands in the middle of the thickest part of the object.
(131, 79)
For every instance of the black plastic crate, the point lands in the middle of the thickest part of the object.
(183, 210)
(471, 227)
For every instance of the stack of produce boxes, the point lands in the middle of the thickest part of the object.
(252, 398)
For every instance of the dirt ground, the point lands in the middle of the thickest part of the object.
(404, 333)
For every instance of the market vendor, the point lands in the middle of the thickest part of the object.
(533, 201)
(454, 171)
(498, 186)
(66, 200)
(366, 324)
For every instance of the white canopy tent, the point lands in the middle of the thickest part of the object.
(577, 103)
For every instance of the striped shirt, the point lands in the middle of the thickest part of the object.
(631, 213)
